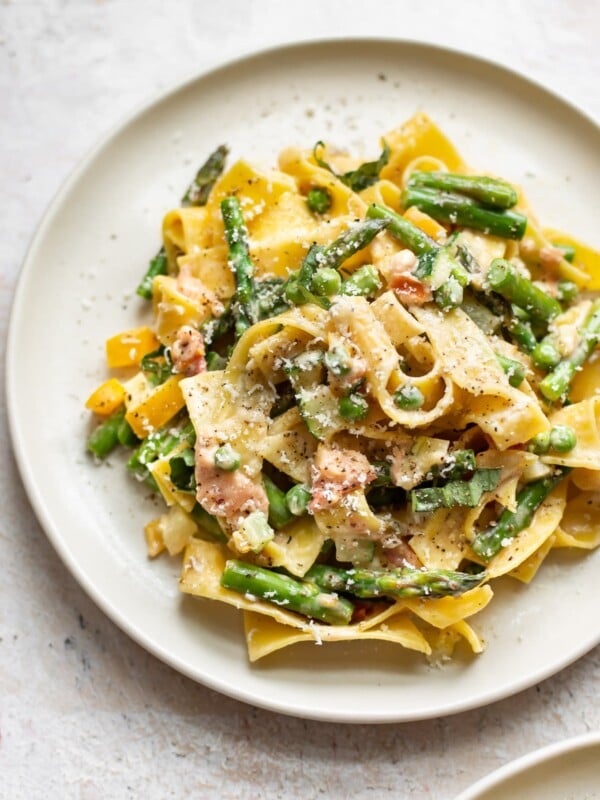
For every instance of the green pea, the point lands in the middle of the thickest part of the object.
(540, 444)
(326, 281)
(562, 438)
(353, 407)
(296, 294)
(409, 397)
(297, 499)
(226, 458)
(319, 200)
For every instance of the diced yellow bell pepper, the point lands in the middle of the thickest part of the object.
(157, 409)
(127, 349)
(426, 223)
(106, 398)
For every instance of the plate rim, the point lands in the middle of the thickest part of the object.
(23, 461)
(517, 766)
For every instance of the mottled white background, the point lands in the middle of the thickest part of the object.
(84, 712)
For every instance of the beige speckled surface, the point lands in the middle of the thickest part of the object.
(84, 712)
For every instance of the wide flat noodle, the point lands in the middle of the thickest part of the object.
(440, 542)
(527, 570)
(295, 548)
(203, 565)
(444, 611)
(586, 258)
(354, 318)
(586, 382)
(419, 136)
(265, 635)
(302, 166)
(290, 446)
(584, 418)
(580, 524)
(508, 416)
(545, 521)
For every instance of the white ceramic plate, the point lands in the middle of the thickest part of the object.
(565, 771)
(76, 290)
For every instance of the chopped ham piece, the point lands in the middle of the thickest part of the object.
(336, 473)
(225, 494)
(187, 352)
(410, 290)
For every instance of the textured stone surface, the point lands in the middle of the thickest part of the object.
(85, 712)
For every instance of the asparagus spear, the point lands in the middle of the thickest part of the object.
(405, 582)
(436, 264)
(208, 523)
(404, 230)
(301, 287)
(364, 282)
(545, 354)
(567, 290)
(357, 179)
(206, 177)
(460, 210)
(353, 239)
(214, 328)
(490, 541)
(302, 597)
(240, 263)
(489, 191)
(105, 437)
(158, 444)
(126, 436)
(523, 334)
(196, 195)
(506, 280)
(158, 266)
(279, 513)
(557, 383)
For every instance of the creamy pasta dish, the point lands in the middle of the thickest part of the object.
(369, 390)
